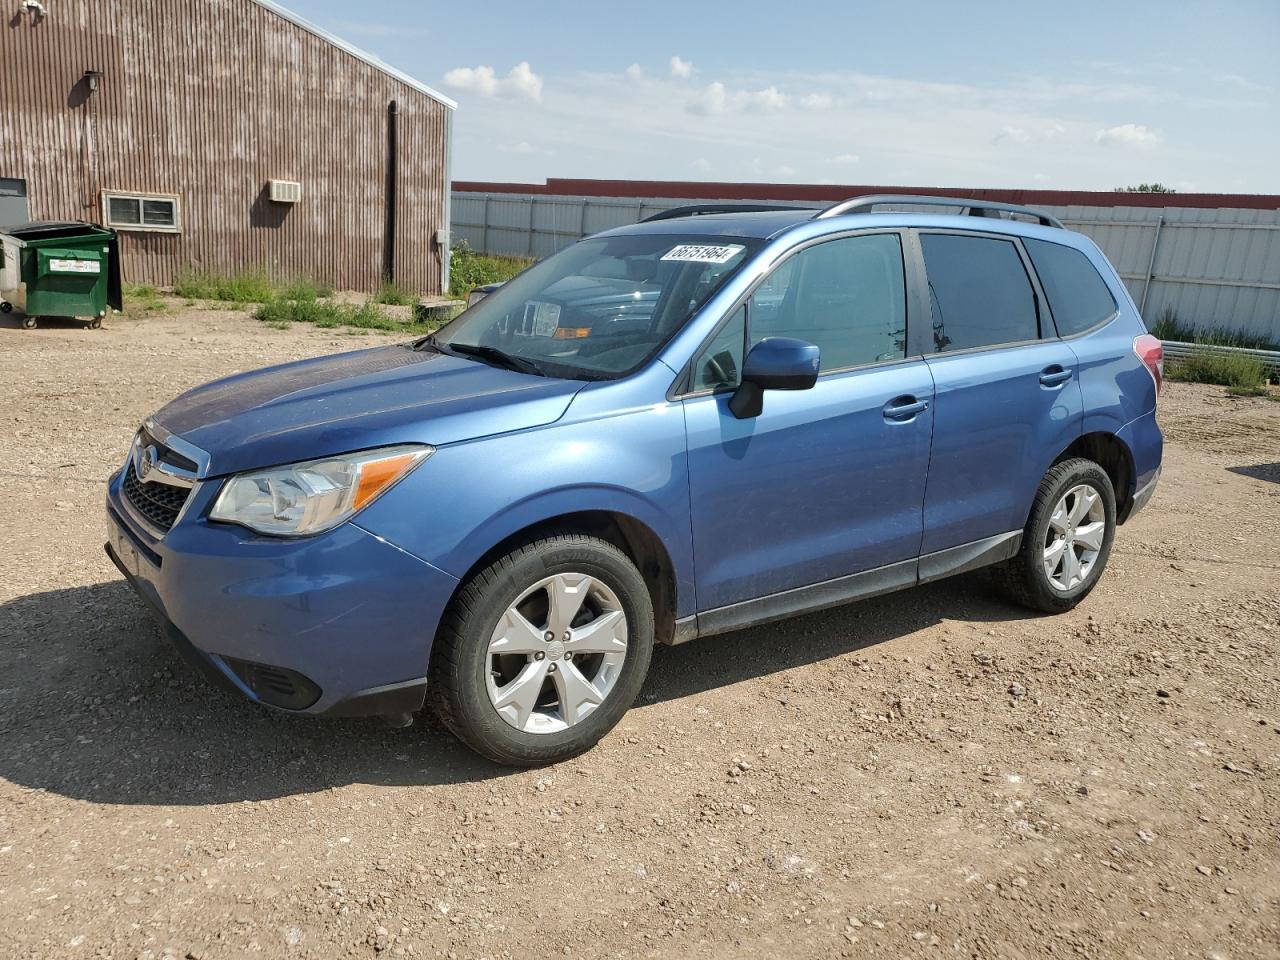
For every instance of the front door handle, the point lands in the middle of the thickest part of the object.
(1054, 376)
(901, 409)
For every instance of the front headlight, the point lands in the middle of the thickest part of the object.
(302, 499)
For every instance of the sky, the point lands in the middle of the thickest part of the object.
(1077, 95)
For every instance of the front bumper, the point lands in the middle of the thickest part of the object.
(340, 624)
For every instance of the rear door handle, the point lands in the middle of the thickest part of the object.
(901, 409)
(1054, 376)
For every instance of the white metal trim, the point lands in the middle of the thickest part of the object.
(325, 35)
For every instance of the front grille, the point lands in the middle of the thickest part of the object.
(160, 503)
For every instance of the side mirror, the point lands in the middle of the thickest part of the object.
(775, 363)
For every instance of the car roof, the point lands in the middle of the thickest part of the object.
(769, 224)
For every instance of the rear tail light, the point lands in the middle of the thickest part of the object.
(1151, 352)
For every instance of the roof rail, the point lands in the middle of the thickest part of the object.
(707, 209)
(972, 208)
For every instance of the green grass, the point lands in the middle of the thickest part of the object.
(141, 298)
(247, 286)
(392, 295)
(468, 269)
(1169, 327)
(1242, 376)
(279, 313)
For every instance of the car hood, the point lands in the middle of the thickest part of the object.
(351, 401)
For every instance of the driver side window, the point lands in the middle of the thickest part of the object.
(720, 363)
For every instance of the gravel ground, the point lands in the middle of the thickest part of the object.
(935, 772)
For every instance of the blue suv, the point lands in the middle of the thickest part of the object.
(700, 422)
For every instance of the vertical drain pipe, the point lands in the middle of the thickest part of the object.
(389, 225)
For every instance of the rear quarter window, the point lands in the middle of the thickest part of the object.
(1077, 294)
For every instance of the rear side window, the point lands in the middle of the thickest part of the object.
(979, 292)
(1078, 296)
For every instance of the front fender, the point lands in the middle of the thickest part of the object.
(470, 496)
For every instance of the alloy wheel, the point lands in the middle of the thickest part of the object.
(1077, 529)
(556, 653)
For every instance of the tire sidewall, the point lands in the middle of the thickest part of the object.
(476, 711)
(1076, 474)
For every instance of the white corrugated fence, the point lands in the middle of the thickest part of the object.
(1215, 269)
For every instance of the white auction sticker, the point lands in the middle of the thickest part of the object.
(703, 253)
(540, 319)
(74, 266)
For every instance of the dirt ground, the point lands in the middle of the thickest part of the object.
(934, 772)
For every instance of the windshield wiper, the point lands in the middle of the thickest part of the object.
(494, 356)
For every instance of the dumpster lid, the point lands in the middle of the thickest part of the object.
(51, 229)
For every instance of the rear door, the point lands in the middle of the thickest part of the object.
(1007, 396)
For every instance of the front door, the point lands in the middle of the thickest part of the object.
(829, 481)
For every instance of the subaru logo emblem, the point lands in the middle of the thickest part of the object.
(144, 461)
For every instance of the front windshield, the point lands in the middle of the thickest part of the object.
(600, 308)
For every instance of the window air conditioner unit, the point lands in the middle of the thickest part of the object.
(285, 191)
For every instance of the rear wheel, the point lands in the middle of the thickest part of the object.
(1067, 540)
(28, 323)
(542, 652)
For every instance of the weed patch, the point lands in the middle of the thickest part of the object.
(247, 286)
(468, 269)
(1242, 376)
(1169, 327)
(392, 295)
(142, 297)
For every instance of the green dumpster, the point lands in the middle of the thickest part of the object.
(66, 269)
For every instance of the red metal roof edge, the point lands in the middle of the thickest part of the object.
(698, 190)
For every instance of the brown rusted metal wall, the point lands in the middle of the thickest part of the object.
(208, 100)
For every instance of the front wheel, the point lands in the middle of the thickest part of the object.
(542, 652)
(1067, 539)
(28, 323)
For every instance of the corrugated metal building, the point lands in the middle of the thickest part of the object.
(170, 119)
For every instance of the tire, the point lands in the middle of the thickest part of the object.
(5, 306)
(95, 323)
(472, 689)
(1024, 577)
(28, 323)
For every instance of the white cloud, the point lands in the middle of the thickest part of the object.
(713, 99)
(681, 69)
(605, 124)
(634, 72)
(1128, 135)
(1022, 135)
(702, 164)
(520, 83)
(522, 147)
(816, 101)
(785, 171)
(717, 98)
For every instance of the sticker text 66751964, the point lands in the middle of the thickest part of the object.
(704, 252)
